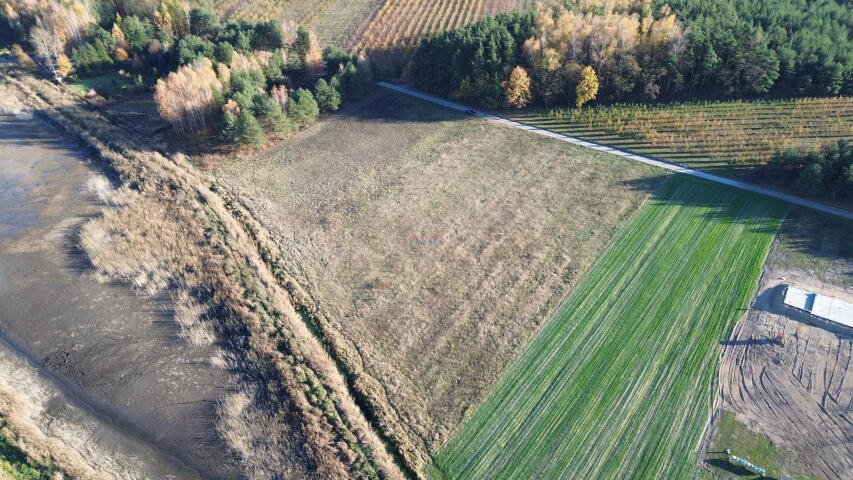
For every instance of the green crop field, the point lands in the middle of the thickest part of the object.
(619, 383)
(727, 137)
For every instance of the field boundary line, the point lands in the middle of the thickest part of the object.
(802, 202)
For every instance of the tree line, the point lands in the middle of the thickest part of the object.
(826, 172)
(239, 80)
(640, 50)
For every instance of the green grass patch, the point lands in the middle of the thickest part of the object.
(15, 464)
(755, 447)
(108, 84)
(619, 383)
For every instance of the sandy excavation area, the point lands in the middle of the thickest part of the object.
(799, 393)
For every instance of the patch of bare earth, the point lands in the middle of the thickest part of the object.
(430, 247)
(799, 393)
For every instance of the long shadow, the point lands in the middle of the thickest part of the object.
(806, 231)
(712, 202)
(751, 341)
(734, 469)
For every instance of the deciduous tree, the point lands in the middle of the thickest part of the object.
(587, 89)
(186, 97)
(517, 88)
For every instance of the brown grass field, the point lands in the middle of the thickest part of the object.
(431, 247)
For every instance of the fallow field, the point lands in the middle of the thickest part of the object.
(727, 137)
(435, 244)
(620, 382)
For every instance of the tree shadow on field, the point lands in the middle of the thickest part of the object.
(712, 202)
(807, 231)
(388, 106)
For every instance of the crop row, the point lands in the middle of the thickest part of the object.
(400, 24)
(619, 384)
(724, 132)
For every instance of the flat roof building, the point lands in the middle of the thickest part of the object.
(827, 308)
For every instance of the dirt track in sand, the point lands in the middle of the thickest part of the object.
(798, 394)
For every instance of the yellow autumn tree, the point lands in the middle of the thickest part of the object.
(186, 98)
(587, 88)
(118, 34)
(63, 65)
(517, 88)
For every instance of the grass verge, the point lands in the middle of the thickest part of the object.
(620, 383)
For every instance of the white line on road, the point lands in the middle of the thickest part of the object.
(639, 158)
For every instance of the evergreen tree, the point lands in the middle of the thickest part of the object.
(328, 97)
(247, 130)
(303, 108)
(137, 33)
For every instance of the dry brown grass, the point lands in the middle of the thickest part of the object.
(427, 249)
(165, 229)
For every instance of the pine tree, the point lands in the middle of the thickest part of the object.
(248, 130)
(517, 88)
(328, 97)
(303, 108)
(587, 89)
